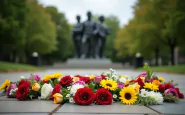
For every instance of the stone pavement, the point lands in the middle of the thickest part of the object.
(40, 107)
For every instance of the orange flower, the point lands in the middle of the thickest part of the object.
(156, 82)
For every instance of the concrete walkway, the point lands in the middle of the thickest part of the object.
(12, 106)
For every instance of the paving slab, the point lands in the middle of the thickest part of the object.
(89, 114)
(27, 106)
(24, 113)
(170, 108)
(115, 108)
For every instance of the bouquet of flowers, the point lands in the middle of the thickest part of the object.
(104, 89)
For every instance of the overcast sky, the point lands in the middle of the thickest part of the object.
(120, 8)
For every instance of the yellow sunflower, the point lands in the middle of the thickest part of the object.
(136, 87)
(128, 95)
(5, 85)
(109, 84)
(161, 79)
(151, 86)
(52, 76)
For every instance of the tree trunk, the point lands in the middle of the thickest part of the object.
(172, 49)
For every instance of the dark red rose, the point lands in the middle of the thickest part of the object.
(23, 90)
(103, 76)
(45, 81)
(87, 80)
(169, 85)
(103, 97)
(84, 96)
(181, 95)
(22, 81)
(140, 82)
(161, 88)
(66, 80)
(56, 89)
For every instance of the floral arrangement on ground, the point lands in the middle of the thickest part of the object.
(105, 89)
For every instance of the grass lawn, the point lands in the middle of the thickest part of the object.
(14, 67)
(179, 69)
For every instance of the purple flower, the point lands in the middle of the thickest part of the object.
(79, 82)
(172, 91)
(12, 86)
(36, 77)
(97, 79)
(143, 74)
(120, 85)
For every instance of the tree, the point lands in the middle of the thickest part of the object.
(64, 31)
(13, 21)
(41, 31)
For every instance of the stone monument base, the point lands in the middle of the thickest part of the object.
(88, 63)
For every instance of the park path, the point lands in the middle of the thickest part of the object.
(12, 106)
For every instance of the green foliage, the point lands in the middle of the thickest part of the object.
(64, 31)
(180, 69)
(148, 71)
(146, 101)
(170, 98)
(8, 67)
(41, 31)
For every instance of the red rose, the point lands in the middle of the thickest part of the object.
(56, 89)
(103, 97)
(66, 80)
(87, 80)
(169, 85)
(140, 82)
(22, 81)
(84, 96)
(181, 95)
(161, 88)
(45, 81)
(103, 76)
(23, 90)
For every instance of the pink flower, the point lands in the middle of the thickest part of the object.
(79, 82)
(12, 86)
(97, 79)
(172, 91)
(120, 85)
(36, 77)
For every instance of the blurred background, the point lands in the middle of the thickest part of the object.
(39, 32)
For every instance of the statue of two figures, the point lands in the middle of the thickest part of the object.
(89, 37)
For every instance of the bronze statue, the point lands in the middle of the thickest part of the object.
(101, 32)
(77, 36)
(88, 40)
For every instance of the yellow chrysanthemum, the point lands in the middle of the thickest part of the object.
(128, 95)
(136, 87)
(76, 79)
(161, 79)
(5, 85)
(151, 86)
(109, 84)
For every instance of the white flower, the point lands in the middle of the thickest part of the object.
(71, 100)
(74, 88)
(46, 91)
(122, 80)
(115, 96)
(22, 77)
(68, 95)
(144, 93)
(157, 96)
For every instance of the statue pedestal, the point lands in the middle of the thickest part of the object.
(90, 63)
